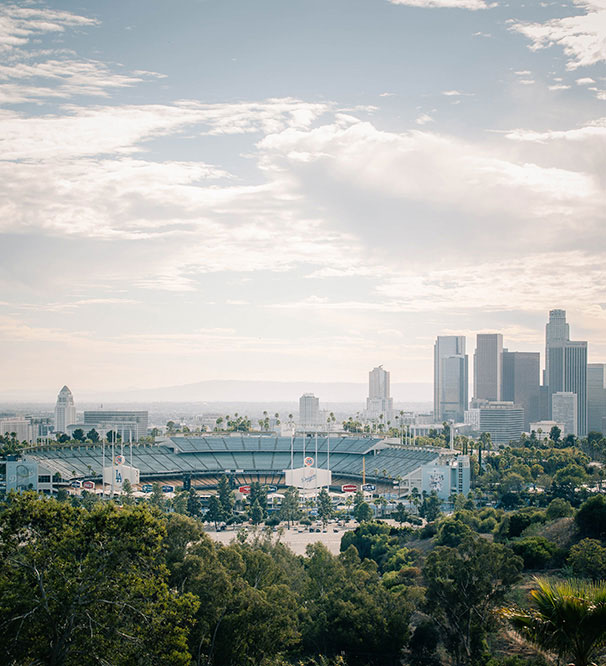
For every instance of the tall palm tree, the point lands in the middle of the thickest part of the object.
(567, 618)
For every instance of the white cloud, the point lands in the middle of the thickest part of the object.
(424, 119)
(444, 4)
(586, 80)
(19, 25)
(582, 37)
(558, 86)
(83, 131)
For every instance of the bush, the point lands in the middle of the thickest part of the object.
(591, 517)
(588, 559)
(558, 508)
(536, 552)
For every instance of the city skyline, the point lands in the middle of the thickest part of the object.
(294, 190)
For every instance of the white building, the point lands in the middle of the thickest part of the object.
(65, 411)
(24, 430)
(564, 410)
(503, 420)
(379, 402)
(542, 429)
(309, 411)
(131, 425)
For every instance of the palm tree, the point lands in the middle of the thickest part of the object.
(568, 618)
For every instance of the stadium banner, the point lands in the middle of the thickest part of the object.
(118, 475)
(308, 478)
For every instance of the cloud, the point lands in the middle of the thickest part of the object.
(584, 81)
(423, 119)
(19, 25)
(444, 4)
(62, 79)
(582, 37)
(357, 173)
(96, 130)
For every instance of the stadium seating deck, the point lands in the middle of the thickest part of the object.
(256, 457)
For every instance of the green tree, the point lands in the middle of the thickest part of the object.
(591, 517)
(289, 509)
(226, 497)
(430, 508)
(157, 496)
(363, 512)
(214, 513)
(93, 435)
(127, 490)
(256, 513)
(193, 504)
(350, 612)
(587, 559)
(78, 435)
(325, 510)
(554, 434)
(567, 618)
(78, 584)
(464, 584)
(258, 494)
(401, 514)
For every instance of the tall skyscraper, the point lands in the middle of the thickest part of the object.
(65, 411)
(566, 366)
(488, 366)
(596, 397)
(379, 402)
(450, 378)
(521, 373)
(309, 411)
(564, 411)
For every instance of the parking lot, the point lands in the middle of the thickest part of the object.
(297, 537)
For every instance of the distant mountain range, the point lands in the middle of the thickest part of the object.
(236, 390)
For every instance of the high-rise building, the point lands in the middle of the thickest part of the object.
(596, 397)
(564, 410)
(309, 411)
(65, 411)
(130, 425)
(450, 378)
(488, 367)
(379, 402)
(521, 373)
(504, 421)
(566, 366)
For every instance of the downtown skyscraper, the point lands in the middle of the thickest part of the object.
(488, 367)
(565, 366)
(451, 378)
(379, 402)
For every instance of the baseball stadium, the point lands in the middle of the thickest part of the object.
(201, 461)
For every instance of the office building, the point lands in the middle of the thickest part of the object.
(521, 374)
(131, 425)
(309, 411)
(451, 378)
(24, 430)
(504, 421)
(596, 397)
(566, 366)
(542, 429)
(379, 402)
(65, 411)
(488, 367)
(564, 410)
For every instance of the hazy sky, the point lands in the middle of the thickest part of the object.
(294, 189)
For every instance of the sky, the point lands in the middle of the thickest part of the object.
(294, 190)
